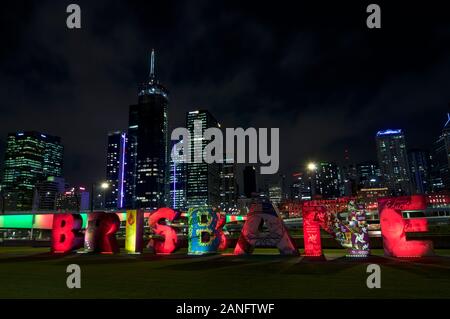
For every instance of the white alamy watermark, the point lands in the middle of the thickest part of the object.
(250, 146)
(74, 279)
(374, 279)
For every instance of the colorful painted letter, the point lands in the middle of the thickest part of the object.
(351, 233)
(66, 235)
(394, 227)
(134, 232)
(169, 239)
(252, 235)
(100, 234)
(205, 231)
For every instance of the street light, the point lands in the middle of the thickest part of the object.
(311, 166)
(103, 186)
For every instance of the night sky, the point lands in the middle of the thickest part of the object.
(316, 72)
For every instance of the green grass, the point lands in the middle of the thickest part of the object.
(34, 273)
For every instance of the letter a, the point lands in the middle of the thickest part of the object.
(374, 279)
(374, 19)
(74, 279)
(74, 19)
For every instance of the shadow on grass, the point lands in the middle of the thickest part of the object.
(30, 258)
(255, 263)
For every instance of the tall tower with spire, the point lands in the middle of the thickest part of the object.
(147, 156)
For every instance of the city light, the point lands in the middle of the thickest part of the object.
(389, 132)
(311, 166)
(104, 185)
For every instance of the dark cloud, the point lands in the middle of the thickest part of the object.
(313, 70)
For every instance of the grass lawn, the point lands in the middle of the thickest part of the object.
(34, 273)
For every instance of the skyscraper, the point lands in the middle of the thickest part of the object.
(47, 192)
(275, 193)
(249, 181)
(368, 174)
(147, 178)
(177, 180)
(301, 187)
(203, 180)
(115, 170)
(393, 161)
(349, 177)
(30, 158)
(228, 185)
(327, 180)
(419, 165)
(73, 199)
(441, 159)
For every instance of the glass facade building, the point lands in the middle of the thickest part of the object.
(177, 180)
(419, 165)
(327, 180)
(368, 175)
(30, 158)
(203, 180)
(115, 170)
(441, 159)
(228, 185)
(147, 159)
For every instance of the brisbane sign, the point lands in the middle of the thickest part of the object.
(206, 236)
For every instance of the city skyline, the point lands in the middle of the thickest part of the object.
(342, 114)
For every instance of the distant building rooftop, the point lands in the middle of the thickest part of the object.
(389, 132)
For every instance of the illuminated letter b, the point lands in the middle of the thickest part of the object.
(66, 234)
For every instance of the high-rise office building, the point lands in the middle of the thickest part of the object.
(228, 185)
(327, 180)
(393, 161)
(115, 170)
(441, 159)
(47, 192)
(177, 181)
(131, 159)
(349, 178)
(275, 193)
(301, 187)
(419, 166)
(368, 174)
(249, 181)
(203, 180)
(73, 199)
(148, 169)
(30, 158)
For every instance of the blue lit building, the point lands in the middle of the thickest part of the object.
(177, 181)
